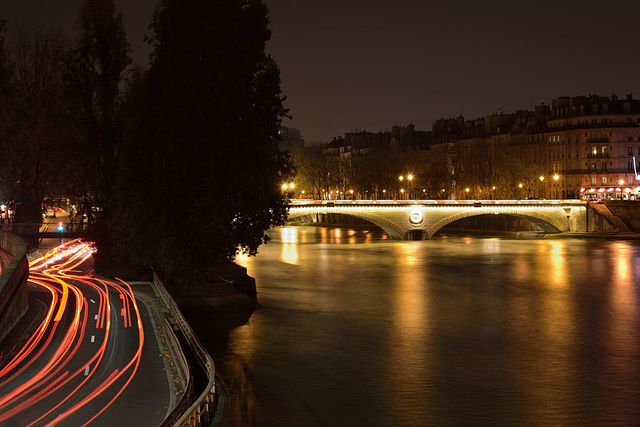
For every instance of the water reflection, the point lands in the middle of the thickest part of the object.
(289, 239)
(356, 330)
(408, 363)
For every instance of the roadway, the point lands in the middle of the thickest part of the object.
(93, 359)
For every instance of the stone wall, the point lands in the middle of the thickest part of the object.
(13, 292)
(628, 211)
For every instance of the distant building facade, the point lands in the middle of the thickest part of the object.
(577, 147)
(290, 139)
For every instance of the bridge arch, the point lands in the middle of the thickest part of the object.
(388, 225)
(548, 223)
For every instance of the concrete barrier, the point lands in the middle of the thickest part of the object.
(14, 300)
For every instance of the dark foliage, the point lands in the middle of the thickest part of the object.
(34, 125)
(94, 72)
(201, 171)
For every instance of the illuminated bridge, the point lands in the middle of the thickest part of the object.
(421, 219)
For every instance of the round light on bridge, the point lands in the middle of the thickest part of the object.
(415, 215)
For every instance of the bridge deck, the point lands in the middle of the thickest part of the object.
(436, 203)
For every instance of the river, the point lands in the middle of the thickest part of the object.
(358, 330)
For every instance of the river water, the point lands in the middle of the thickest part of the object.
(358, 330)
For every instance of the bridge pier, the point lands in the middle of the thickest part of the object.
(415, 234)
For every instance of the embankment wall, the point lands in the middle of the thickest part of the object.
(13, 292)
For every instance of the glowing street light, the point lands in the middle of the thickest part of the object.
(520, 185)
(556, 177)
(288, 186)
(621, 182)
(541, 178)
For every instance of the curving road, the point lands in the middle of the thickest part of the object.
(89, 362)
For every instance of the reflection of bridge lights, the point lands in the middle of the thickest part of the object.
(289, 235)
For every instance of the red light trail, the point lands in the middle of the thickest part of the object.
(74, 365)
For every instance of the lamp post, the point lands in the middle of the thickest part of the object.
(410, 178)
(400, 178)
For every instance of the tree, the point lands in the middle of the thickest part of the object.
(95, 70)
(4, 70)
(212, 170)
(315, 169)
(34, 124)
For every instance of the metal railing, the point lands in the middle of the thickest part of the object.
(202, 410)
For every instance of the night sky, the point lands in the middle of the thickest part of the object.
(355, 64)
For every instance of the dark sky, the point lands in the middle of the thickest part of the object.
(357, 64)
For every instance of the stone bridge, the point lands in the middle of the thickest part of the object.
(421, 219)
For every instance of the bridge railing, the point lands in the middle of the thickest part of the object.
(532, 202)
(202, 410)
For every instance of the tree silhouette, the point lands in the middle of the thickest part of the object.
(204, 157)
(95, 71)
(34, 127)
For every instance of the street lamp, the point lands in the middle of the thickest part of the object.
(410, 178)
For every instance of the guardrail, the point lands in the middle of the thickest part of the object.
(201, 412)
